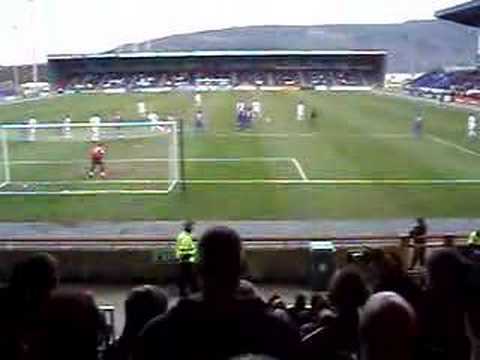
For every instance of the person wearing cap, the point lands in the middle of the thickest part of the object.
(186, 254)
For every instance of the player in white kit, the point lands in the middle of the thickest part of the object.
(240, 106)
(198, 100)
(67, 129)
(199, 121)
(95, 121)
(256, 109)
(300, 111)
(32, 130)
(141, 109)
(154, 119)
(472, 127)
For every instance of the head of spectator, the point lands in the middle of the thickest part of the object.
(447, 272)
(273, 299)
(143, 304)
(34, 279)
(300, 302)
(348, 290)
(387, 328)
(299, 313)
(188, 226)
(252, 357)
(220, 262)
(318, 302)
(388, 274)
(339, 333)
(247, 291)
(71, 328)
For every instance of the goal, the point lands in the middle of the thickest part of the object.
(54, 158)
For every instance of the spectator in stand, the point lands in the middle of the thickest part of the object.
(142, 305)
(317, 303)
(387, 328)
(273, 300)
(443, 314)
(318, 310)
(388, 274)
(30, 286)
(252, 357)
(299, 313)
(71, 328)
(218, 325)
(277, 307)
(338, 339)
(417, 235)
(247, 291)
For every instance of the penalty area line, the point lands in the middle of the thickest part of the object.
(152, 160)
(299, 168)
(460, 148)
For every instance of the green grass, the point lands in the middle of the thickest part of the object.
(354, 137)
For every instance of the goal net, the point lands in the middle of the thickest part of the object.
(137, 158)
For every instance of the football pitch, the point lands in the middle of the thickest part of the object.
(356, 159)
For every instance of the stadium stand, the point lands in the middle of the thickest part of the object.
(214, 81)
(40, 319)
(460, 82)
(461, 85)
(213, 70)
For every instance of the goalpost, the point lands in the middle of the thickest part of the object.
(54, 158)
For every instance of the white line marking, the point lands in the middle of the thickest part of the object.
(150, 160)
(245, 182)
(85, 192)
(89, 182)
(337, 182)
(266, 181)
(299, 169)
(312, 134)
(453, 145)
(60, 125)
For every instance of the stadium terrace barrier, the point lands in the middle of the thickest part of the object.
(126, 259)
(153, 90)
(115, 91)
(351, 88)
(279, 88)
(245, 88)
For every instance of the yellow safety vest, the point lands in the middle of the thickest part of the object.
(474, 238)
(185, 247)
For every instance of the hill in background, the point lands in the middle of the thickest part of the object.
(413, 46)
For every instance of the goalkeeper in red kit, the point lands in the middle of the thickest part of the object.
(97, 156)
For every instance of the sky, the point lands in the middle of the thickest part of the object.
(87, 26)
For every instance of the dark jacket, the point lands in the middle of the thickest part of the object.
(195, 329)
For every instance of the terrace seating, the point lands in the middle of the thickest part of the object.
(41, 320)
(461, 80)
(144, 80)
